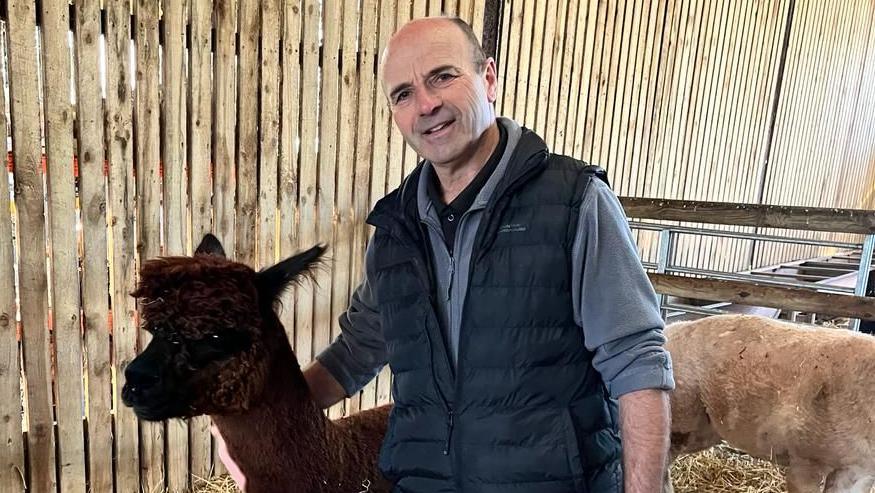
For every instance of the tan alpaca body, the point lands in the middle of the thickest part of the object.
(801, 397)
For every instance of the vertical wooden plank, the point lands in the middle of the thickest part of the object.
(615, 132)
(861, 145)
(650, 106)
(345, 229)
(95, 272)
(640, 81)
(766, 82)
(380, 180)
(64, 288)
(664, 67)
(545, 37)
(766, 251)
(200, 130)
(173, 129)
(511, 46)
(326, 196)
(527, 56)
(833, 129)
(742, 76)
(478, 16)
(834, 85)
(592, 75)
(602, 112)
(411, 158)
(435, 7)
(225, 137)
(225, 141)
(669, 83)
(688, 30)
(451, 7)
(420, 9)
(697, 78)
(560, 90)
(707, 110)
(123, 198)
(728, 52)
(289, 132)
(533, 66)
(308, 177)
(847, 194)
(395, 168)
(148, 166)
(174, 153)
(247, 128)
(12, 466)
(25, 114)
(369, 92)
(577, 91)
(636, 78)
(382, 112)
(465, 11)
(269, 133)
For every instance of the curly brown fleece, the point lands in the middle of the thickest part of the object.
(218, 343)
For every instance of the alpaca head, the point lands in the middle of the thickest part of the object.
(214, 332)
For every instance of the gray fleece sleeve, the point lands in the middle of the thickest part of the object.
(614, 300)
(359, 352)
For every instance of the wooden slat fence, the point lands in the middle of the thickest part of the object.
(134, 127)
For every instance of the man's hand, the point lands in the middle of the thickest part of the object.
(226, 459)
(645, 424)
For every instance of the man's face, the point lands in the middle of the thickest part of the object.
(441, 101)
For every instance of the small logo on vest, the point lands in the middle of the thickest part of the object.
(512, 228)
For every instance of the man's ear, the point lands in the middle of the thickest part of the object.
(491, 76)
(273, 281)
(210, 245)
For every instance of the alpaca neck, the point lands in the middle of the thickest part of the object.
(281, 437)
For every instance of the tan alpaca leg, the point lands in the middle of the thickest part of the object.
(805, 476)
(847, 481)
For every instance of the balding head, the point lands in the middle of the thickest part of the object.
(442, 24)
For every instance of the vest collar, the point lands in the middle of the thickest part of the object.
(525, 157)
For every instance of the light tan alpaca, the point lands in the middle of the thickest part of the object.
(803, 397)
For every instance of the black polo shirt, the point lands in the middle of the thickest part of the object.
(451, 213)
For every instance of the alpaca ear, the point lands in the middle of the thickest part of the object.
(271, 282)
(210, 245)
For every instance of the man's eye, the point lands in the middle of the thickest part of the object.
(401, 96)
(445, 77)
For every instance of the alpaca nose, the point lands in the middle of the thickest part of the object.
(140, 377)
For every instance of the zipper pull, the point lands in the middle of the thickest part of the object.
(449, 432)
(450, 282)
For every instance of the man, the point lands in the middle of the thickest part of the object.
(504, 289)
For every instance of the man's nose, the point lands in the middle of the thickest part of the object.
(428, 102)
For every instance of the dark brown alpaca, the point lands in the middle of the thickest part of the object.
(218, 348)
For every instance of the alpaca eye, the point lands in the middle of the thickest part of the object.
(216, 336)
